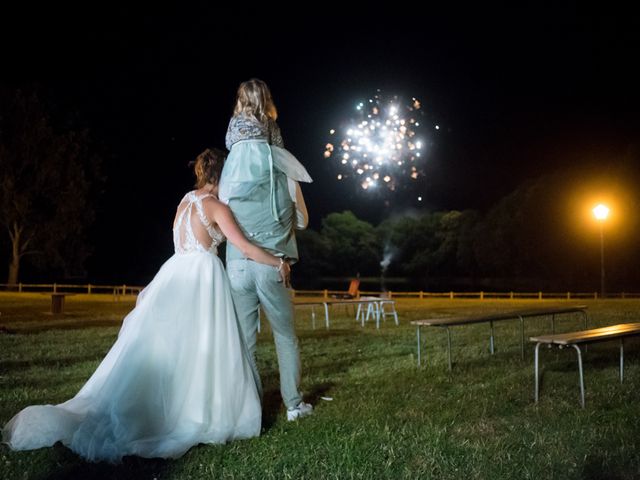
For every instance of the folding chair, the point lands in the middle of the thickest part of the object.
(352, 292)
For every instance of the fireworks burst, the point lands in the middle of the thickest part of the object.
(381, 145)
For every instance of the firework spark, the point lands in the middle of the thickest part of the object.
(381, 145)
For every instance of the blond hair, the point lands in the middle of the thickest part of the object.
(254, 100)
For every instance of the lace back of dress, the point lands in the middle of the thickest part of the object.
(192, 231)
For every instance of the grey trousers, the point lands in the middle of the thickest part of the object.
(253, 285)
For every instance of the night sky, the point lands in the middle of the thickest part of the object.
(517, 93)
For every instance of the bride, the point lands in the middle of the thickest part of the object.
(178, 373)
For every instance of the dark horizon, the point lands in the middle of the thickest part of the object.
(518, 94)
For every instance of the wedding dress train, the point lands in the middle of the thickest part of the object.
(177, 375)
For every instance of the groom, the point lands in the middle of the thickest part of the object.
(268, 205)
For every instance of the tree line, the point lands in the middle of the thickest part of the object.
(48, 179)
(539, 237)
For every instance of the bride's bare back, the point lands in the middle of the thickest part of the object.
(202, 223)
(193, 231)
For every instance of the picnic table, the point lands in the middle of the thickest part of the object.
(375, 303)
(447, 322)
(575, 339)
(312, 304)
(376, 307)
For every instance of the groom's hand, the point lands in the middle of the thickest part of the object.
(285, 274)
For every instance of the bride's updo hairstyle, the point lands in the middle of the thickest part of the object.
(208, 166)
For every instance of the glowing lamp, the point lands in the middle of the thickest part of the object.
(601, 212)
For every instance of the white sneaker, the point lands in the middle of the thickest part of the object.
(302, 410)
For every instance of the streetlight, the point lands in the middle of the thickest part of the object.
(601, 212)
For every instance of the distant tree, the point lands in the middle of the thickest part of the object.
(314, 257)
(494, 246)
(45, 187)
(466, 264)
(527, 234)
(431, 244)
(447, 233)
(413, 240)
(352, 244)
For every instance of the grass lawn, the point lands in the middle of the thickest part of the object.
(387, 418)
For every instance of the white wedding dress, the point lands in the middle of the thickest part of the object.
(177, 375)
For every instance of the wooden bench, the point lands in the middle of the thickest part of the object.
(447, 322)
(360, 302)
(575, 339)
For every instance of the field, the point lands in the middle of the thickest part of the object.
(377, 415)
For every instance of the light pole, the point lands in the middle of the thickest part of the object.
(601, 212)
